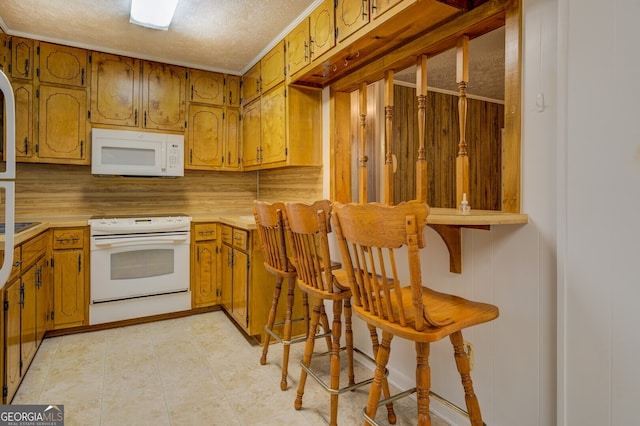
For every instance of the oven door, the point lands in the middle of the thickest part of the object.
(139, 265)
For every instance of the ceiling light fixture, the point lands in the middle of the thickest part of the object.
(156, 14)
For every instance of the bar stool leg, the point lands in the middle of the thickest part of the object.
(324, 320)
(391, 415)
(462, 363)
(349, 339)
(382, 358)
(266, 339)
(423, 383)
(287, 333)
(334, 366)
(308, 350)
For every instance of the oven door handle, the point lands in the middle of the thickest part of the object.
(127, 242)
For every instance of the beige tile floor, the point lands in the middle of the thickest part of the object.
(197, 370)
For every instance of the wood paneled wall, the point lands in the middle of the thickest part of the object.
(295, 184)
(47, 189)
(64, 190)
(484, 123)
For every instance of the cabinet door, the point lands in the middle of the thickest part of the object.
(28, 328)
(378, 7)
(21, 58)
(13, 297)
(205, 137)
(298, 50)
(206, 274)
(115, 90)
(251, 134)
(322, 29)
(163, 96)
(232, 86)
(206, 87)
(232, 137)
(251, 84)
(272, 67)
(69, 302)
(62, 65)
(273, 126)
(240, 287)
(25, 122)
(62, 131)
(226, 276)
(351, 15)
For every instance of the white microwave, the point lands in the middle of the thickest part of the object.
(130, 153)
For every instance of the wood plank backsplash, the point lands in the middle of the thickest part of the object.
(65, 190)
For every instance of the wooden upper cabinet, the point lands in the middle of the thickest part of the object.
(205, 139)
(351, 15)
(232, 90)
(21, 58)
(115, 90)
(25, 120)
(62, 125)
(251, 84)
(298, 54)
(273, 126)
(251, 134)
(322, 29)
(272, 68)
(232, 125)
(163, 96)
(206, 87)
(62, 65)
(378, 7)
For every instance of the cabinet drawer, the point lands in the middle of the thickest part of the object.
(33, 249)
(227, 234)
(206, 231)
(240, 239)
(70, 238)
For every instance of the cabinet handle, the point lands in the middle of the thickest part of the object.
(374, 8)
(310, 48)
(145, 119)
(230, 97)
(26, 145)
(136, 117)
(82, 77)
(79, 263)
(306, 56)
(364, 9)
(26, 67)
(190, 156)
(198, 254)
(17, 263)
(192, 92)
(81, 149)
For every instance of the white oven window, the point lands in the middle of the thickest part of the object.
(142, 263)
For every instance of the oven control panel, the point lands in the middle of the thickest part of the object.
(119, 225)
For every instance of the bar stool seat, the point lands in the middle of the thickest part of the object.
(368, 237)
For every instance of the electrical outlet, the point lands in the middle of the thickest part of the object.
(468, 349)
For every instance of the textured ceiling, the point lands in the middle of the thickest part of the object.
(218, 35)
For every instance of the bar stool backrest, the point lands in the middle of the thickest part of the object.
(368, 236)
(270, 228)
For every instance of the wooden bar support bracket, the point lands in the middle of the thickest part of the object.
(452, 237)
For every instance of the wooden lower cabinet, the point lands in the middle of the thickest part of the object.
(25, 312)
(205, 261)
(246, 286)
(70, 277)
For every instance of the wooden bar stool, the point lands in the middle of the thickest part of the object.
(368, 236)
(270, 229)
(307, 227)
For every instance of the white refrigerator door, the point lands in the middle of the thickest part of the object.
(7, 183)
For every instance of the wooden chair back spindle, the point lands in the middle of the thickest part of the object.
(270, 227)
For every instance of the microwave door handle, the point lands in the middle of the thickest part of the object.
(127, 242)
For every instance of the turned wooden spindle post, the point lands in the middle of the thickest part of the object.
(388, 121)
(462, 78)
(362, 181)
(422, 184)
